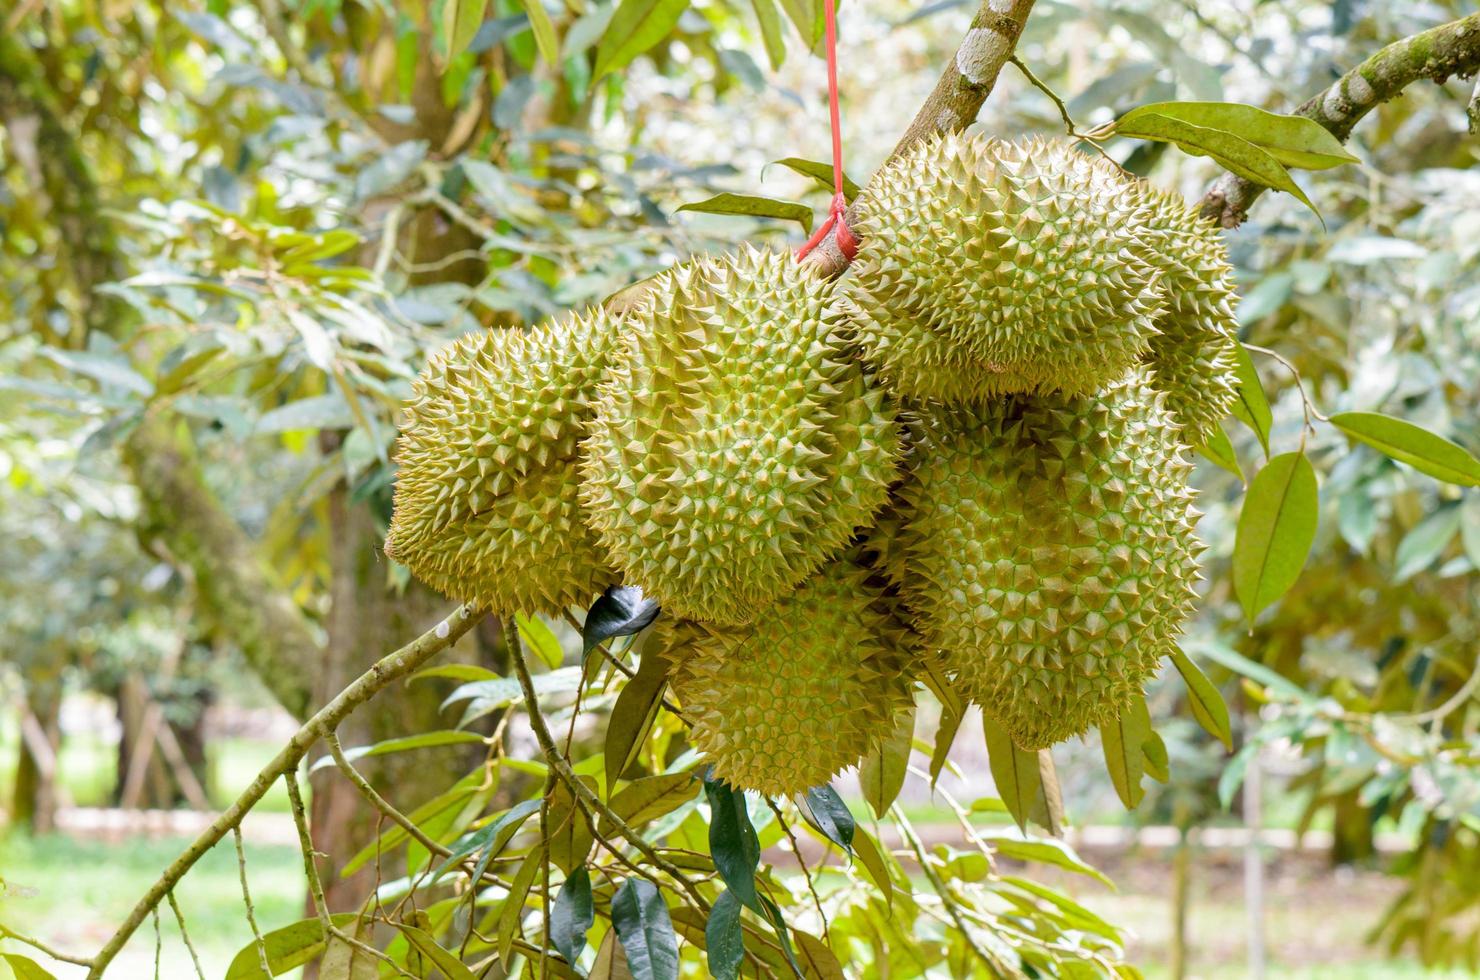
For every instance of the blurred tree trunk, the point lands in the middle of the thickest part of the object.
(159, 788)
(34, 797)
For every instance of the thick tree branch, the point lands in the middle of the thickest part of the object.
(260, 616)
(1436, 54)
(384, 672)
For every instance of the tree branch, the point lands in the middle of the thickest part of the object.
(384, 672)
(1435, 54)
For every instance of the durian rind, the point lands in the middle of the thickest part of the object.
(1050, 553)
(486, 498)
(786, 703)
(1019, 256)
(735, 446)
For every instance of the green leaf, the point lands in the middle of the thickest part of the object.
(620, 611)
(460, 22)
(1158, 764)
(770, 21)
(1424, 544)
(1275, 531)
(635, 27)
(287, 948)
(570, 839)
(1078, 915)
(646, 799)
(1219, 450)
(945, 737)
(394, 837)
(573, 915)
(723, 938)
(1295, 141)
(820, 172)
(758, 207)
(512, 912)
(1122, 739)
(1014, 771)
(1228, 657)
(456, 672)
(881, 774)
(318, 412)
(1233, 153)
(732, 840)
(450, 966)
(26, 968)
(818, 961)
(1407, 443)
(832, 816)
(633, 717)
(645, 930)
(1208, 706)
(538, 637)
(109, 371)
(872, 859)
(1469, 528)
(1252, 407)
(427, 740)
(1046, 851)
(544, 31)
(808, 18)
(489, 840)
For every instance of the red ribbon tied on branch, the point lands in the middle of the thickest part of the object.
(837, 213)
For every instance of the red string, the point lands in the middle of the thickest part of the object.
(837, 212)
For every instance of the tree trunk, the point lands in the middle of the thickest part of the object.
(34, 800)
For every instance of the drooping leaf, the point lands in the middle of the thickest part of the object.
(1275, 531)
(450, 966)
(487, 841)
(807, 17)
(732, 840)
(1252, 407)
(1219, 450)
(1054, 852)
(570, 838)
(1226, 656)
(636, 26)
(633, 716)
(460, 22)
(426, 740)
(1121, 740)
(872, 859)
(646, 799)
(755, 207)
(26, 968)
(945, 737)
(620, 611)
(1158, 763)
(544, 31)
(572, 915)
(770, 23)
(1423, 545)
(881, 774)
(537, 636)
(287, 948)
(1469, 528)
(820, 172)
(724, 940)
(1014, 771)
(512, 912)
(1295, 141)
(1407, 443)
(831, 816)
(818, 960)
(645, 930)
(1207, 703)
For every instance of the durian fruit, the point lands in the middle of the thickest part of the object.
(735, 446)
(1050, 555)
(486, 499)
(1192, 358)
(988, 268)
(785, 704)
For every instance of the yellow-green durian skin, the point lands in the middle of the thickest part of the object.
(486, 499)
(788, 702)
(736, 446)
(990, 267)
(1050, 553)
(1192, 357)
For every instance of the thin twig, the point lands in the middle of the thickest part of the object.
(241, 864)
(8, 933)
(185, 935)
(796, 849)
(907, 832)
(331, 739)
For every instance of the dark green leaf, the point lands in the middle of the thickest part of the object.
(449, 965)
(732, 839)
(645, 930)
(633, 716)
(831, 816)
(1122, 740)
(1275, 531)
(544, 30)
(881, 774)
(1295, 141)
(287, 948)
(1014, 770)
(636, 26)
(757, 207)
(573, 914)
(1208, 706)
(1407, 443)
(26, 968)
(621, 611)
(1252, 407)
(783, 933)
(723, 937)
(820, 172)
(460, 22)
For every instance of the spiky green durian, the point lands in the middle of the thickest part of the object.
(486, 499)
(785, 704)
(989, 267)
(735, 447)
(1192, 358)
(1051, 554)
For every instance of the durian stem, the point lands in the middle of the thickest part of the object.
(1436, 54)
